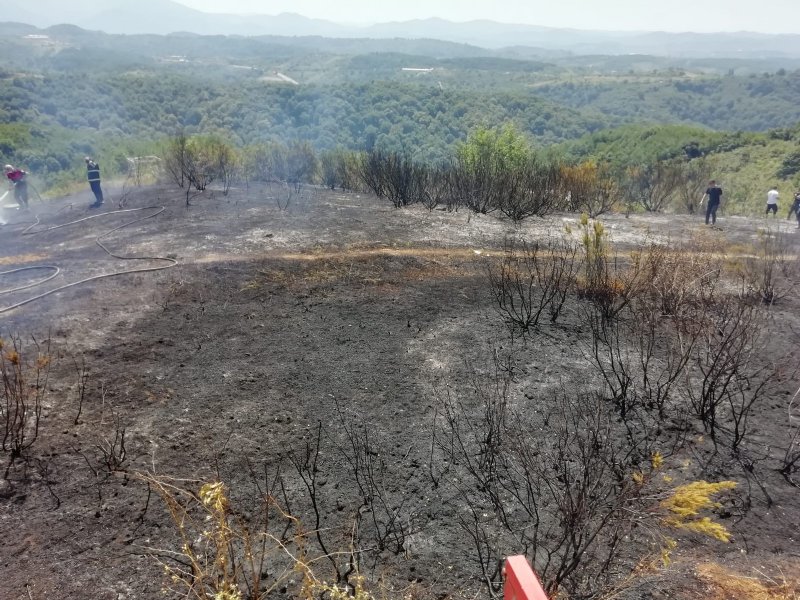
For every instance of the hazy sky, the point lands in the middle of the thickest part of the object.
(770, 16)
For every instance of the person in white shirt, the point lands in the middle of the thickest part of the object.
(772, 200)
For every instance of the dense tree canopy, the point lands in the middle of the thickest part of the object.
(78, 92)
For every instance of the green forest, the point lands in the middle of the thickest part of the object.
(67, 93)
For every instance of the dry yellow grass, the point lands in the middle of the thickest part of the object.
(367, 266)
(357, 251)
(21, 258)
(721, 583)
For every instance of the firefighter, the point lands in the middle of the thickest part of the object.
(93, 174)
(17, 180)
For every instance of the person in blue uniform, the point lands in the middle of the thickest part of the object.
(93, 174)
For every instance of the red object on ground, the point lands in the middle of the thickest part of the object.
(521, 581)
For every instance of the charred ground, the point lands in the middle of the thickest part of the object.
(287, 342)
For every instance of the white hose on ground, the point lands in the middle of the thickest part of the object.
(2, 220)
(29, 231)
(53, 268)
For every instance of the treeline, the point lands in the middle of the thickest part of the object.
(752, 103)
(494, 170)
(88, 93)
(746, 164)
(630, 168)
(354, 116)
(616, 89)
(47, 124)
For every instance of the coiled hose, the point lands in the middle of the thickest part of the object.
(30, 230)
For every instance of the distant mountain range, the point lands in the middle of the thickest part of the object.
(166, 16)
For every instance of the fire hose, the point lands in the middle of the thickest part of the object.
(30, 230)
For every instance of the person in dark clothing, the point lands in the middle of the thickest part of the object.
(797, 209)
(714, 195)
(794, 209)
(93, 174)
(16, 177)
